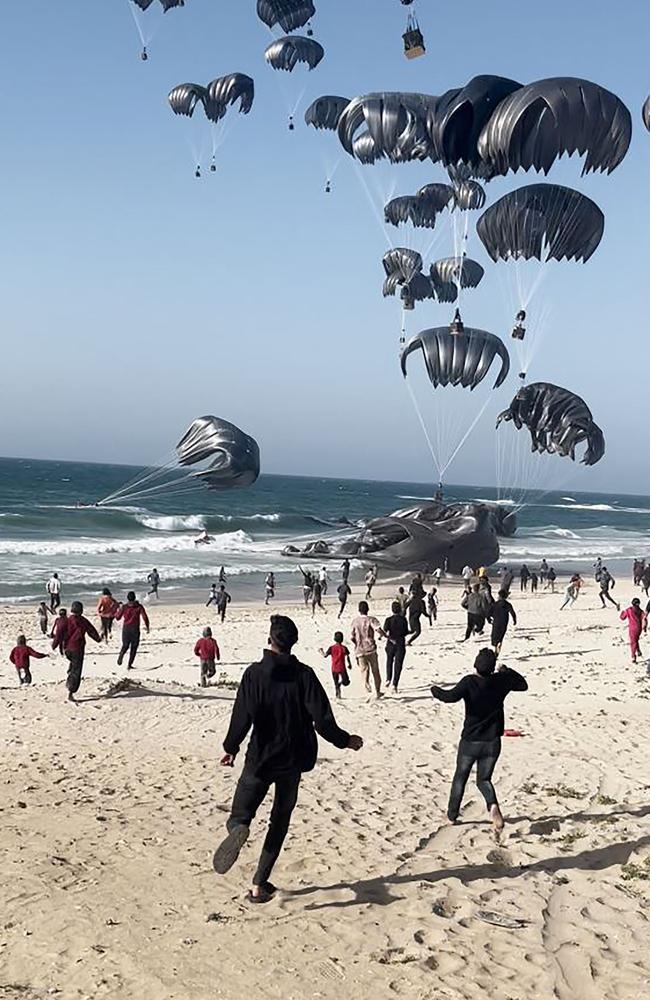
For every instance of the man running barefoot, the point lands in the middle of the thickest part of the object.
(286, 705)
(484, 693)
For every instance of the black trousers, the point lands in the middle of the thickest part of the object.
(485, 755)
(130, 643)
(342, 601)
(249, 795)
(415, 628)
(75, 660)
(475, 623)
(55, 600)
(395, 653)
(107, 627)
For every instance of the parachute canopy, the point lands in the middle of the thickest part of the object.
(543, 221)
(420, 209)
(461, 115)
(558, 421)
(287, 52)
(288, 14)
(326, 111)
(538, 123)
(458, 358)
(402, 262)
(165, 4)
(221, 93)
(396, 122)
(233, 456)
(645, 113)
(468, 195)
(457, 270)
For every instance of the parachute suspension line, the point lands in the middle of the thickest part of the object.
(136, 21)
(152, 472)
(465, 436)
(378, 216)
(424, 429)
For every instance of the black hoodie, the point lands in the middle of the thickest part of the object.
(285, 703)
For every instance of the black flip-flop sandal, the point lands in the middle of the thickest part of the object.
(229, 850)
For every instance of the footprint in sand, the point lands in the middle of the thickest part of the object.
(499, 856)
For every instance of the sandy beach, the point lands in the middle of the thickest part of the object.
(111, 810)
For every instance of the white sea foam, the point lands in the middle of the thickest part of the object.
(172, 522)
(233, 541)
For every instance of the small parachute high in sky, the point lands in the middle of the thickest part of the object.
(458, 270)
(219, 95)
(558, 421)
(286, 14)
(288, 52)
(458, 358)
(144, 5)
(421, 209)
(324, 112)
(645, 113)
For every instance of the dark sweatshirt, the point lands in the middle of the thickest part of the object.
(484, 698)
(285, 703)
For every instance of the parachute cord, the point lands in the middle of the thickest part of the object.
(378, 217)
(136, 20)
(465, 436)
(424, 429)
(152, 472)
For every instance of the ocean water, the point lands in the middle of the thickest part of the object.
(42, 530)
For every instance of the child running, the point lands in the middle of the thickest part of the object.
(43, 612)
(340, 655)
(20, 656)
(208, 652)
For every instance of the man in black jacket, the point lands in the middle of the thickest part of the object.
(484, 693)
(286, 705)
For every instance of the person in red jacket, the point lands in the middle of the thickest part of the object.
(58, 629)
(131, 614)
(20, 656)
(208, 651)
(73, 638)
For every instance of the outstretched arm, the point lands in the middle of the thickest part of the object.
(449, 695)
(318, 705)
(241, 721)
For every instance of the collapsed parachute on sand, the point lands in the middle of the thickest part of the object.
(558, 421)
(213, 452)
(458, 358)
(216, 98)
(543, 221)
(286, 14)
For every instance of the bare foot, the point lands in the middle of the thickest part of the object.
(498, 822)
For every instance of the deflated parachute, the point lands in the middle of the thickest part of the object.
(396, 122)
(558, 421)
(288, 14)
(326, 111)
(286, 53)
(536, 124)
(233, 456)
(458, 358)
(216, 98)
(543, 221)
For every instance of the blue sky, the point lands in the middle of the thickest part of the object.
(135, 297)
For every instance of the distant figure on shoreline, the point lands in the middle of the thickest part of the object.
(607, 583)
(500, 614)
(107, 608)
(153, 580)
(343, 591)
(637, 622)
(345, 569)
(543, 573)
(223, 600)
(474, 605)
(341, 666)
(58, 630)
(43, 613)
(20, 656)
(212, 597)
(208, 652)
(524, 577)
(534, 580)
(131, 614)
(396, 630)
(73, 636)
(572, 591)
(316, 596)
(54, 590)
(416, 608)
(551, 577)
(371, 580)
(222, 575)
(269, 588)
(484, 693)
(286, 705)
(432, 605)
(307, 585)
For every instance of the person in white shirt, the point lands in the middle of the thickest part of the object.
(323, 580)
(467, 575)
(54, 590)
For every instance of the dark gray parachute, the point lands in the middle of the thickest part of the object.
(462, 114)
(543, 221)
(326, 111)
(458, 358)
(461, 271)
(402, 262)
(215, 98)
(288, 14)
(421, 209)
(184, 98)
(165, 4)
(233, 456)
(364, 149)
(446, 291)
(558, 421)
(398, 124)
(287, 52)
(469, 195)
(538, 123)
(226, 91)
(645, 113)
